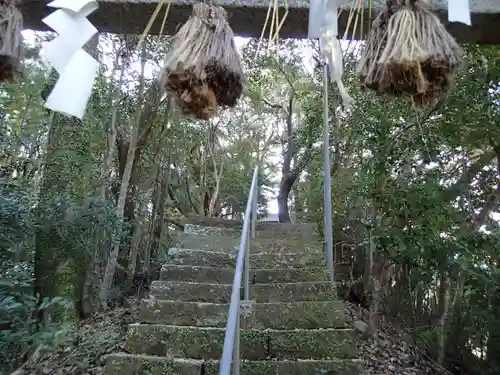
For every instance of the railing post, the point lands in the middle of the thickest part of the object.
(236, 350)
(246, 279)
(327, 190)
(230, 361)
(254, 210)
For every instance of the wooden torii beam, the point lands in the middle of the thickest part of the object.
(247, 17)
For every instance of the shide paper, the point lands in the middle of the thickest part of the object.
(323, 24)
(77, 69)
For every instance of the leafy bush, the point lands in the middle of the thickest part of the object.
(73, 226)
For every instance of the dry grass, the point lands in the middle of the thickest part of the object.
(409, 52)
(203, 68)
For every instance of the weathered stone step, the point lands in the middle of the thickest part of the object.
(257, 260)
(225, 275)
(259, 225)
(133, 364)
(257, 245)
(284, 232)
(207, 342)
(287, 367)
(221, 293)
(304, 315)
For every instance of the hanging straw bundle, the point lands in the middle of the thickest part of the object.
(409, 52)
(11, 42)
(368, 69)
(203, 68)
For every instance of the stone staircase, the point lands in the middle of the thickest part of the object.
(292, 325)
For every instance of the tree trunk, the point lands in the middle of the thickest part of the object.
(67, 148)
(493, 344)
(151, 102)
(443, 320)
(288, 175)
(134, 250)
(113, 257)
(283, 209)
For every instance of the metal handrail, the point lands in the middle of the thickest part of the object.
(231, 350)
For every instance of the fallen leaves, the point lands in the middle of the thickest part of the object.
(83, 348)
(389, 351)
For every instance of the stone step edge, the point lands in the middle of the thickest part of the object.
(266, 285)
(166, 266)
(234, 255)
(193, 228)
(270, 330)
(207, 304)
(236, 233)
(318, 242)
(212, 361)
(255, 315)
(202, 361)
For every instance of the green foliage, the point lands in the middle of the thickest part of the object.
(420, 178)
(73, 226)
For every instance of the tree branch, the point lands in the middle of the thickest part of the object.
(456, 189)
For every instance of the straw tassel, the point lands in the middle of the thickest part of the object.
(11, 40)
(203, 69)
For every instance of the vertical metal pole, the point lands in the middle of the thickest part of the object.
(254, 210)
(327, 189)
(236, 350)
(246, 277)
(246, 280)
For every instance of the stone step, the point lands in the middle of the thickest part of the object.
(257, 260)
(207, 342)
(290, 367)
(133, 364)
(225, 275)
(260, 225)
(221, 293)
(284, 232)
(258, 245)
(282, 315)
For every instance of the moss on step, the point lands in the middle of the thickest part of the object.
(129, 364)
(231, 245)
(310, 314)
(331, 367)
(216, 293)
(201, 274)
(189, 342)
(314, 344)
(179, 256)
(221, 293)
(200, 258)
(294, 292)
(297, 315)
(289, 275)
(200, 343)
(280, 232)
(224, 275)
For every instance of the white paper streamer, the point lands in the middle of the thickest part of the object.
(459, 11)
(332, 51)
(77, 69)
